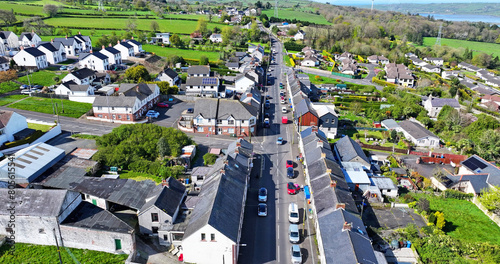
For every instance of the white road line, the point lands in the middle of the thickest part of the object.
(278, 254)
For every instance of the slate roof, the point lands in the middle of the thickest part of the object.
(5, 116)
(478, 181)
(133, 41)
(141, 90)
(348, 149)
(114, 101)
(75, 87)
(416, 130)
(309, 131)
(199, 69)
(168, 199)
(232, 64)
(34, 52)
(89, 216)
(4, 60)
(170, 73)
(202, 81)
(469, 66)
(390, 124)
(28, 35)
(112, 50)
(65, 41)
(303, 107)
(440, 102)
(34, 202)
(49, 46)
(83, 73)
(100, 55)
(478, 165)
(237, 109)
(126, 45)
(207, 107)
(5, 34)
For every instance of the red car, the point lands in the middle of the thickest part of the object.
(289, 164)
(292, 188)
(162, 104)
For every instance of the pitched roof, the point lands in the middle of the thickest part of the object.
(34, 52)
(141, 90)
(83, 73)
(48, 46)
(207, 107)
(478, 165)
(4, 60)
(133, 41)
(440, 102)
(100, 55)
(348, 149)
(478, 181)
(112, 50)
(390, 124)
(5, 116)
(75, 87)
(65, 41)
(199, 69)
(168, 199)
(34, 202)
(89, 216)
(303, 107)
(237, 109)
(416, 130)
(5, 34)
(28, 35)
(197, 81)
(170, 73)
(114, 101)
(125, 44)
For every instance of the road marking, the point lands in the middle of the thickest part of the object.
(278, 255)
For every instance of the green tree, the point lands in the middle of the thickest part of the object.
(490, 199)
(176, 40)
(7, 17)
(488, 145)
(482, 60)
(201, 26)
(227, 34)
(174, 171)
(154, 26)
(356, 107)
(163, 148)
(137, 74)
(209, 159)
(440, 221)
(203, 60)
(50, 10)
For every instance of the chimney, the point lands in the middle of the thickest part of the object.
(32, 31)
(132, 37)
(123, 40)
(340, 205)
(347, 226)
(103, 47)
(118, 42)
(51, 40)
(314, 129)
(79, 33)
(222, 171)
(333, 184)
(323, 155)
(66, 36)
(238, 144)
(329, 171)
(226, 162)
(237, 151)
(22, 47)
(249, 95)
(110, 45)
(33, 45)
(90, 51)
(165, 183)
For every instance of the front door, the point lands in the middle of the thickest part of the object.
(219, 131)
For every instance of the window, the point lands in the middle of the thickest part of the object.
(202, 236)
(243, 121)
(112, 108)
(119, 117)
(230, 130)
(155, 229)
(212, 237)
(165, 237)
(128, 117)
(114, 116)
(200, 178)
(177, 236)
(252, 121)
(230, 122)
(99, 116)
(219, 121)
(154, 217)
(200, 129)
(118, 244)
(242, 130)
(99, 108)
(41, 231)
(327, 121)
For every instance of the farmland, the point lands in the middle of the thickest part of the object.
(291, 14)
(488, 48)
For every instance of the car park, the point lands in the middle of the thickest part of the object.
(293, 213)
(293, 233)
(162, 104)
(279, 141)
(296, 255)
(262, 194)
(24, 86)
(292, 188)
(289, 173)
(70, 67)
(262, 209)
(289, 164)
(152, 114)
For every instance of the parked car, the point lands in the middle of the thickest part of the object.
(62, 68)
(266, 115)
(27, 91)
(293, 233)
(262, 194)
(279, 141)
(293, 213)
(296, 255)
(152, 114)
(24, 86)
(262, 209)
(190, 110)
(70, 67)
(38, 86)
(284, 110)
(289, 172)
(292, 188)
(267, 123)
(163, 104)
(289, 164)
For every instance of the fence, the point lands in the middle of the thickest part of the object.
(390, 149)
(53, 96)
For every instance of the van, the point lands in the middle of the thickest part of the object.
(293, 233)
(293, 213)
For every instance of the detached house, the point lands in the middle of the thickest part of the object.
(399, 74)
(125, 49)
(170, 76)
(86, 76)
(31, 57)
(202, 86)
(434, 105)
(95, 61)
(435, 61)
(491, 101)
(310, 61)
(10, 123)
(8, 41)
(114, 55)
(162, 38)
(75, 90)
(431, 68)
(54, 51)
(300, 35)
(468, 67)
(216, 38)
(72, 46)
(29, 39)
(417, 134)
(475, 176)
(199, 71)
(84, 41)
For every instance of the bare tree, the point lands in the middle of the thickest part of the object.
(50, 10)
(154, 26)
(7, 17)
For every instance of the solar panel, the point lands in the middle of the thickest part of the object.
(209, 81)
(468, 163)
(478, 163)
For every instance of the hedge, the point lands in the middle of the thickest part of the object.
(486, 110)
(377, 81)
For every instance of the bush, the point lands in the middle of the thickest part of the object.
(384, 83)
(408, 198)
(209, 159)
(458, 195)
(423, 205)
(432, 219)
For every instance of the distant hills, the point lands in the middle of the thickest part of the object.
(492, 9)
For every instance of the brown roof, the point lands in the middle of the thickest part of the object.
(5, 117)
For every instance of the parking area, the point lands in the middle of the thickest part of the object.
(169, 115)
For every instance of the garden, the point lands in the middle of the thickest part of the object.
(43, 78)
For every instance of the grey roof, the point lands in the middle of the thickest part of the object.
(431, 67)
(303, 107)
(169, 198)
(83, 73)
(4, 60)
(75, 87)
(114, 101)
(85, 38)
(34, 52)
(240, 54)
(48, 46)
(345, 246)
(416, 130)
(205, 81)
(141, 90)
(470, 66)
(348, 149)
(5, 34)
(478, 165)
(89, 216)
(126, 45)
(207, 107)
(34, 202)
(308, 131)
(112, 50)
(133, 41)
(478, 181)
(383, 183)
(65, 41)
(28, 35)
(199, 69)
(170, 73)
(232, 64)
(390, 124)
(100, 55)
(237, 109)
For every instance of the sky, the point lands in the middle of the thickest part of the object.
(385, 2)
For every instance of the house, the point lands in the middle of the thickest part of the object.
(199, 71)
(417, 134)
(252, 97)
(224, 117)
(233, 65)
(468, 67)
(161, 209)
(493, 81)
(131, 104)
(491, 101)
(348, 150)
(345, 55)
(31, 57)
(435, 61)
(54, 51)
(385, 185)
(72, 46)
(390, 124)
(434, 105)
(74, 89)
(170, 76)
(310, 61)
(29, 39)
(243, 82)
(58, 217)
(203, 86)
(306, 114)
(9, 41)
(4, 64)
(114, 55)
(431, 68)
(136, 45)
(399, 74)
(85, 42)
(126, 49)
(418, 62)
(198, 175)
(375, 59)
(94, 61)
(161, 38)
(214, 228)
(216, 38)
(10, 123)
(475, 175)
(449, 74)
(328, 119)
(81, 76)
(300, 35)
(356, 176)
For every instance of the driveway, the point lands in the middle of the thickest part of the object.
(169, 116)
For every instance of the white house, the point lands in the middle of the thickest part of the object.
(417, 134)
(435, 61)
(81, 76)
(300, 35)
(125, 49)
(244, 82)
(95, 61)
(136, 45)
(310, 61)
(448, 74)
(4, 64)
(31, 57)
(434, 105)
(71, 88)
(170, 76)
(216, 38)
(374, 59)
(114, 55)
(29, 39)
(204, 86)
(431, 68)
(162, 38)
(199, 71)
(8, 41)
(10, 123)
(71, 45)
(85, 42)
(54, 51)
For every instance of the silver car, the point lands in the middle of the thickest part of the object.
(296, 255)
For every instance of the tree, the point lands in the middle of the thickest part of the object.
(50, 10)
(490, 199)
(176, 40)
(423, 205)
(488, 146)
(202, 26)
(356, 107)
(268, 5)
(137, 74)
(163, 148)
(482, 60)
(131, 25)
(258, 4)
(209, 159)
(6, 76)
(7, 17)
(227, 34)
(440, 221)
(154, 26)
(203, 60)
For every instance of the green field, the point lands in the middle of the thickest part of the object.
(36, 254)
(43, 77)
(6, 87)
(24, 9)
(488, 48)
(291, 14)
(44, 105)
(11, 98)
(185, 53)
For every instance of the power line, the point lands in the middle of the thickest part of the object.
(438, 39)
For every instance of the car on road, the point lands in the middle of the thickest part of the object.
(289, 173)
(163, 104)
(289, 164)
(266, 115)
(62, 68)
(152, 114)
(296, 255)
(293, 233)
(267, 123)
(190, 110)
(262, 209)
(70, 67)
(262, 194)
(293, 213)
(292, 188)
(27, 91)
(279, 141)
(284, 110)
(283, 101)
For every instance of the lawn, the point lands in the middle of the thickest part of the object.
(464, 220)
(36, 254)
(291, 14)
(6, 87)
(11, 98)
(488, 48)
(185, 53)
(44, 78)
(139, 176)
(43, 105)
(43, 128)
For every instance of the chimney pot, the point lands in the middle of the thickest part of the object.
(110, 45)
(222, 171)
(340, 205)
(90, 51)
(103, 47)
(164, 183)
(347, 226)
(51, 40)
(32, 31)
(66, 36)
(124, 40)
(33, 45)
(333, 184)
(79, 33)
(238, 144)
(118, 42)
(132, 37)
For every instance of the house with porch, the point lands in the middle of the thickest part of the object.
(202, 86)
(162, 38)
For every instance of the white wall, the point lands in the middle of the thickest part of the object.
(82, 99)
(208, 252)
(98, 240)
(16, 123)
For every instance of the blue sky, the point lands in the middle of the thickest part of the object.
(369, 2)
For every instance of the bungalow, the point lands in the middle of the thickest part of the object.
(10, 123)
(300, 35)
(468, 67)
(348, 150)
(216, 38)
(72, 46)
(125, 49)
(431, 68)
(95, 61)
(9, 40)
(418, 62)
(434, 105)
(54, 51)
(199, 71)
(310, 61)
(4, 64)
(390, 124)
(475, 176)
(202, 86)
(170, 76)
(491, 101)
(375, 59)
(72, 88)
(29, 39)
(493, 81)
(31, 57)
(349, 66)
(417, 134)
(136, 45)
(161, 38)
(449, 74)
(113, 54)
(435, 61)
(345, 55)
(484, 74)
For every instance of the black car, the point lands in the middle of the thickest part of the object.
(190, 110)
(38, 86)
(289, 172)
(266, 115)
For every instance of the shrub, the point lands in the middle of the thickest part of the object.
(423, 205)
(408, 198)
(457, 195)
(432, 219)
(209, 159)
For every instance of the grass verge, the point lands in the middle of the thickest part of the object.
(11, 98)
(6, 87)
(43, 105)
(85, 136)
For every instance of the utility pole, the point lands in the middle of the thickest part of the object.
(57, 245)
(276, 8)
(438, 40)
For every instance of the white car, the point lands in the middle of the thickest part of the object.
(262, 194)
(293, 234)
(283, 101)
(296, 255)
(152, 114)
(284, 110)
